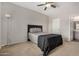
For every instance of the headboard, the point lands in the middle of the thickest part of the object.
(33, 26)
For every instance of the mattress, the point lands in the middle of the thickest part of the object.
(34, 36)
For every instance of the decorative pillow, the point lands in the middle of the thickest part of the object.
(35, 30)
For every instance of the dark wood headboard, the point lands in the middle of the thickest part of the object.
(33, 26)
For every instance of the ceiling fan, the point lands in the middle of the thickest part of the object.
(47, 4)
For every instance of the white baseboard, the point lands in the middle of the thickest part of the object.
(17, 42)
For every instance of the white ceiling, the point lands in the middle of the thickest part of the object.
(63, 8)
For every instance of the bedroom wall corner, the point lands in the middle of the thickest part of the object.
(50, 25)
(20, 18)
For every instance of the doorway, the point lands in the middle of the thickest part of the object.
(76, 31)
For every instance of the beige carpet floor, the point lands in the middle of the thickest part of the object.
(31, 49)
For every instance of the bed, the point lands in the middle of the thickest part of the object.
(45, 41)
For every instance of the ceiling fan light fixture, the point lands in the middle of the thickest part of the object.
(47, 5)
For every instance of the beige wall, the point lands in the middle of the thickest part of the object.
(17, 24)
(0, 25)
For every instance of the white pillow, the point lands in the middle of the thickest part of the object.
(33, 30)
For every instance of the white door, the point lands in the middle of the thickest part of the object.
(8, 30)
(4, 32)
(12, 32)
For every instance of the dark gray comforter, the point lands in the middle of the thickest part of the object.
(48, 42)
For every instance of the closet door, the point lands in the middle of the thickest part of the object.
(11, 31)
(4, 30)
(8, 31)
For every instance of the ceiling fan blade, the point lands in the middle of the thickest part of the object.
(50, 2)
(45, 8)
(53, 6)
(41, 4)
